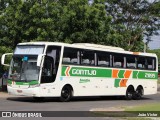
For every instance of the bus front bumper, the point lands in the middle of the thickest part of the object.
(32, 92)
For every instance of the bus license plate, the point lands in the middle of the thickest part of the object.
(19, 91)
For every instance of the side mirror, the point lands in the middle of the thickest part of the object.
(3, 59)
(39, 59)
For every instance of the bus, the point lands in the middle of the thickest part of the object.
(53, 69)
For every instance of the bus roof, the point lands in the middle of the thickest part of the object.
(90, 46)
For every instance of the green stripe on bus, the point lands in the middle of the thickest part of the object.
(86, 72)
(99, 72)
(135, 74)
(33, 82)
(116, 82)
(9, 81)
(145, 75)
(121, 74)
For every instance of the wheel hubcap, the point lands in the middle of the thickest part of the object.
(65, 93)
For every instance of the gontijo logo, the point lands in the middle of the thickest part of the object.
(83, 72)
(80, 72)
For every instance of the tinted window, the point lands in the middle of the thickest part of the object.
(87, 57)
(47, 71)
(70, 56)
(141, 63)
(51, 63)
(130, 61)
(103, 59)
(150, 63)
(118, 60)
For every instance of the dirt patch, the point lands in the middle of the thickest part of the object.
(5, 95)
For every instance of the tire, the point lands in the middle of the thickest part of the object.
(130, 93)
(66, 94)
(138, 93)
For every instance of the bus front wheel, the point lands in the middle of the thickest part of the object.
(66, 94)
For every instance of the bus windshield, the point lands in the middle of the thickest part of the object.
(24, 68)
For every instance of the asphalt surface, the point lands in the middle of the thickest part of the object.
(76, 104)
(14, 103)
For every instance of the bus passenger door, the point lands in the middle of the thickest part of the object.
(49, 70)
(47, 76)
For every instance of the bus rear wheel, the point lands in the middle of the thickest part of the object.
(138, 93)
(66, 94)
(130, 93)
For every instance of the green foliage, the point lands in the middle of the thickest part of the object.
(84, 23)
(3, 49)
(107, 22)
(65, 21)
(134, 19)
(157, 52)
(145, 107)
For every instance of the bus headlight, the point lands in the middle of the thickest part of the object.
(32, 86)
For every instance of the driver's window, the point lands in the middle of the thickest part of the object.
(47, 71)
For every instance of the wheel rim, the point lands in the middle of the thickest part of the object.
(65, 93)
(129, 93)
(139, 92)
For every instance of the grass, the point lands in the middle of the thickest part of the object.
(132, 112)
(135, 118)
(145, 107)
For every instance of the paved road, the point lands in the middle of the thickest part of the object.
(77, 104)
(12, 103)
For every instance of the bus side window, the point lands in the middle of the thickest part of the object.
(118, 60)
(141, 63)
(74, 60)
(66, 60)
(87, 57)
(103, 59)
(70, 56)
(150, 63)
(130, 61)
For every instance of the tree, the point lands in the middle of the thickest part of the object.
(134, 19)
(108, 22)
(157, 52)
(64, 21)
(83, 22)
(3, 47)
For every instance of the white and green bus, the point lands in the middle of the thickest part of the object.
(51, 69)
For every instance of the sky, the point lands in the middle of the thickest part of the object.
(155, 44)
